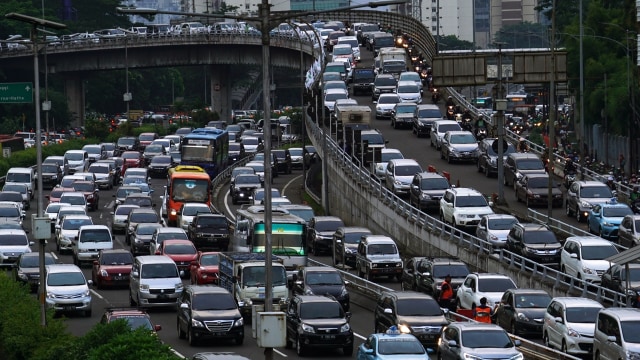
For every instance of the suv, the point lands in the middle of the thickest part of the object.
(426, 190)
(629, 231)
(320, 233)
(345, 244)
(471, 340)
(402, 115)
(27, 269)
(284, 160)
(427, 274)
(154, 281)
(209, 312)
(209, 231)
(362, 80)
(488, 157)
(459, 146)
(399, 175)
(321, 280)
(479, 285)
(463, 207)
(378, 255)
(412, 312)
(520, 311)
(582, 195)
(67, 289)
(519, 164)
(91, 239)
(533, 189)
(13, 243)
(136, 318)
(616, 334)
(438, 129)
(423, 117)
(535, 242)
(383, 83)
(584, 257)
(318, 322)
(569, 324)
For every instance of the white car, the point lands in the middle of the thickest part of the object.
(439, 128)
(478, 285)
(411, 76)
(380, 166)
(331, 95)
(355, 46)
(120, 215)
(399, 175)
(67, 231)
(13, 243)
(188, 211)
(584, 257)
(74, 198)
(52, 211)
(335, 84)
(408, 91)
(296, 157)
(570, 323)
(385, 104)
(463, 207)
(494, 229)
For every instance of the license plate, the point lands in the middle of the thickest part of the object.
(162, 296)
(328, 337)
(218, 334)
(427, 337)
(119, 278)
(69, 308)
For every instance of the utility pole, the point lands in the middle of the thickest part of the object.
(501, 105)
(552, 114)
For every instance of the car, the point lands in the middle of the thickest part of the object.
(331, 95)
(111, 149)
(392, 345)
(141, 199)
(210, 232)
(320, 233)
(310, 317)
(51, 175)
(128, 143)
(459, 146)
(378, 255)
(585, 257)
(52, 210)
(569, 324)
(160, 165)
(208, 312)
(68, 209)
(297, 157)
(535, 242)
(423, 117)
(426, 190)
(188, 212)
(26, 270)
(521, 311)
(284, 160)
(380, 166)
(140, 237)
(345, 244)
(165, 233)
(399, 175)
(604, 218)
(382, 84)
(334, 84)
(488, 156)
(463, 208)
(60, 281)
(67, 231)
(385, 105)
(627, 282)
(616, 334)
(204, 269)
(410, 76)
(105, 175)
(151, 151)
(494, 228)
(236, 153)
(629, 231)
(146, 138)
(409, 92)
(309, 155)
(426, 274)
(582, 195)
(438, 129)
(182, 252)
(62, 163)
(533, 189)
(258, 195)
(112, 268)
(413, 313)
(471, 340)
(96, 152)
(478, 285)
(519, 164)
(252, 144)
(10, 213)
(321, 280)
(136, 318)
(14, 198)
(123, 192)
(132, 159)
(90, 191)
(259, 157)
(402, 115)
(137, 216)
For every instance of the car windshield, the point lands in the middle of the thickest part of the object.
(353, 237)
(616, 211)
(407, 170)
(388, 100)
(501, 224)
(109, 146)
(388, 156)
(16, 187)
(154, 149)
(120, 258)
(373, 139)
(83, 186)
(66, 279)
(584, 315)
(532, 301)
(73, 199)
(418, 307)
(74, 156)
(92, 149)
(510, 149)
(540, 237)
(34, 261)
(49, 168)
(9, 211)
(99, 169)
(402, 346)
(250, 141)
(495, 285)
(147, 228)
(324, 278)
(530, 164)
(195, 210)
(596, 192)
(471, 201)
(405, 109)
(305, 214)
(463, 139)
(178, 235)
(53, 208)
(321, 310)
(180, 249)
(162, 160)
(248, 179)
(130, 155)
(634, 274)
(14, 240)
(335, 96)
(408, 89)
(598, 252)
(143, 217)
(97, 235)
(126, 141)
(212, 221)
(382, 249)
(234, 147)
(259, 195)
(331, 225)
(209, 260)
(146, 137)
(455, 270)
(434, 184)
(123, 192)
(448, 127)
(159, 271)
(412, 76)
(295, 152)
(385, 81)
(485, 338)
(429, 113)
(137, 322)
(342, 50)
(539, 182)
(204, 302)
(335, 85)
(131, 179)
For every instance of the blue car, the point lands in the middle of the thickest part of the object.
(392, 345)
(604, 219)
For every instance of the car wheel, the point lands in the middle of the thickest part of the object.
(299, 349)
(190, 338)
(514, 329)
(131, 301)
(348, 350)
(564, 347)
(545, 341)
(567, 210)
(239, 340)
(597, 356)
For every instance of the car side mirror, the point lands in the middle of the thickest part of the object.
(573, 255)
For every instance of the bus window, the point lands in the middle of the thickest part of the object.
(190, 190)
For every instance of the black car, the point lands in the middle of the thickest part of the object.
(309, 155)
(520, 310)
(345, 244)
(242, 188)
(216, 312)
(427, 274)
(321, 280)
(402, 115)
(535, 242)
(160, 165)
(318, 322)
(209, 231)
(362, 79)
(320, 233)
(426, 189)
(284, 160)
(617, 277)
(414, 312)
(130, 143)
(51, 175)
(488, 158)
(236, 152)
(27, 269)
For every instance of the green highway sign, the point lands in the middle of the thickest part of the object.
(16, 92)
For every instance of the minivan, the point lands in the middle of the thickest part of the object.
(155, 282)
(22, 175)
(78, 160)
(13, 243)
(67, 289)
(616, 335)
(91, 239)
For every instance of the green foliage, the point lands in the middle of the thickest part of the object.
(96, 127)
(202, 117)
(524, 35)
(452, 42)
(27, 157)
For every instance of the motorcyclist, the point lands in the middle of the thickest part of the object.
(450, 102)
(522, 145)
(634, 195)
(569, 166)
(611, 182)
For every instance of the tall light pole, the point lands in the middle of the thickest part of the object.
(35, 22)
(552, 114)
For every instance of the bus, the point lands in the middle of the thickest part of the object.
(288, 239)
(520, 104)
(483, 103)
(207, 148)
(185, 184)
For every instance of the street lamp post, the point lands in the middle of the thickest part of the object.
(552, 114)
(35, 22)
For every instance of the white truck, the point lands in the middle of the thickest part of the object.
(350, 118)
(392, 60)
(243, 274)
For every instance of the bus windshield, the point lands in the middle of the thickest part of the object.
(286, 239)
(190, 190)
(197, 153)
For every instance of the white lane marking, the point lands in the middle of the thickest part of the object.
(279, 353)
(284, 189)
(100, 215)
(177, 353)
(109, 204)
(98, 295)
(54, 255)
(226, 206)
(359, 336)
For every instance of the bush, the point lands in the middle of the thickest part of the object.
(28, 157)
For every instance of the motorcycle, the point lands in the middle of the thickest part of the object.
(451, 113)
(435, 96)
(569, 178)
(481, 133)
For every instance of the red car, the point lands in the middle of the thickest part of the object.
(112, 268)
(204, 270)
(56, 193)
(131, 159)
(183, 252)
(147, 138)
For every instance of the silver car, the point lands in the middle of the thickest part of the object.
(141, 237)
(385, 105)
(104, 175)
(466, 340)
(119, 219)
(494, 229)
(188, 211)
(165, 233)
(67, 231)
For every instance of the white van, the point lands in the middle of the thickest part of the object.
(78, 160)
(617, 334)
(155, 281)
(67, 289)
(22, 175)
(91, 239)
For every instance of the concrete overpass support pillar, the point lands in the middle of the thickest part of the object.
(74, 89)
(221, 91)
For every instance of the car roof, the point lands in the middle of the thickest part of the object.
(377, 239)
(533, 226)
(409, 295)
(316, 299)
(154, 259)
(354, 229)
(202, 289)
(402, 162)
(626, 314)
(58, 268)
(577, 301)
(589, 240)
(476, 326)
(320, 269)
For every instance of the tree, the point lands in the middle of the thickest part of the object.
(523, 35)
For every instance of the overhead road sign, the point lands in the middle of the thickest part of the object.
(16, 93)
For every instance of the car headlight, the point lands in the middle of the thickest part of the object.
(586, 270)
(404, 329)
(346, 327)
(350, 250)
(144, 287)
(523, 317)
(307, 328)
(50, 295)
(374, 265)
(425, 197)
(493, 237)
(571, 332)
(174, 212)
(605, 223)
(22, 276)
(518, 176)
(493, 161)
(632, 355)
(179, 286)
(397, 182)
(86, 293)
(344, 292)
(531, 250)
(399, 264)
(239, 323)
(308, 291)
(517, 357)
(585, 204)
(471, 357)
(196, 323)
(138, 241)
